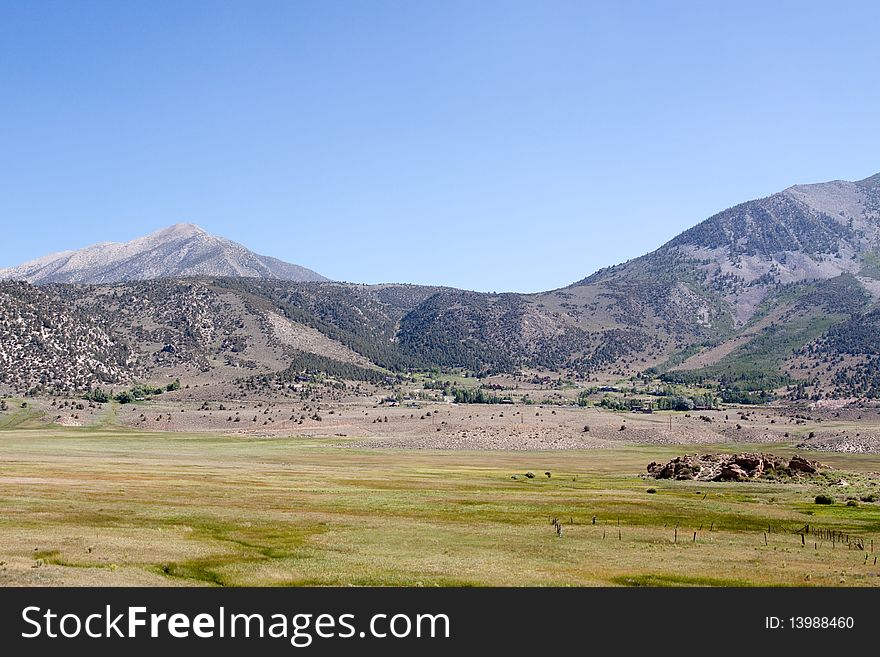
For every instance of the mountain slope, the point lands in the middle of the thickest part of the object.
(697, 301)
(54, 345)
(778, 291)
(179, 251)
(61, 338)
(844, 361)
(745, 253)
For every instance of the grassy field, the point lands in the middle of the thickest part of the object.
(110, 507)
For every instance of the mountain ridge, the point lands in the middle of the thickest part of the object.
(768, 293)
(178, 251)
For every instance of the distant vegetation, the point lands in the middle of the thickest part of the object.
(306, 367)
(743, 380)
(671, 402)
(135, 393)
(477, 396)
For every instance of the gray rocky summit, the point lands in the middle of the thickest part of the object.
(179, 251)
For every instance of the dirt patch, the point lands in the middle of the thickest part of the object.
(313, 341)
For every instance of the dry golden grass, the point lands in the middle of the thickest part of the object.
(109, 506)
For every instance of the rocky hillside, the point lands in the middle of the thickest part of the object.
(60, 338)
(743, 255)
(781, 292)
(179, 251)
(45, 343)
(734, 296)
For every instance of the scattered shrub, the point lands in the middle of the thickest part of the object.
(98, 395)
(824, 499)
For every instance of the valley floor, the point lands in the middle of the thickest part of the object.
(365, 422)
(110, 505)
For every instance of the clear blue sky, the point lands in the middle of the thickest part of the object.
(486, 145)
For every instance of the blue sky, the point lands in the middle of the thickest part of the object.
(486, 145)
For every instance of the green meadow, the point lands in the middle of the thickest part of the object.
(105, 506)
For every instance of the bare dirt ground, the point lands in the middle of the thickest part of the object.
(362, 415)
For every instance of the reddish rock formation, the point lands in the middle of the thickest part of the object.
(732, 467)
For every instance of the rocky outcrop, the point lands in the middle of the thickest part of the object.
(732, 467)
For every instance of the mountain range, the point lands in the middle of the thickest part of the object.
(779, 293)
(179, 251)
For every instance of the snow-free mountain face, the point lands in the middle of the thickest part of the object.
(775, 292)
(743, 254)
(732, 297)
(179, 251)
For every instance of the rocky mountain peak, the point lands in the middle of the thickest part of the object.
(179, 251)
(181, 230)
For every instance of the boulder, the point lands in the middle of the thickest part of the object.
(800, 464)
(749, 462)
(775, 463)
(732, 472)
